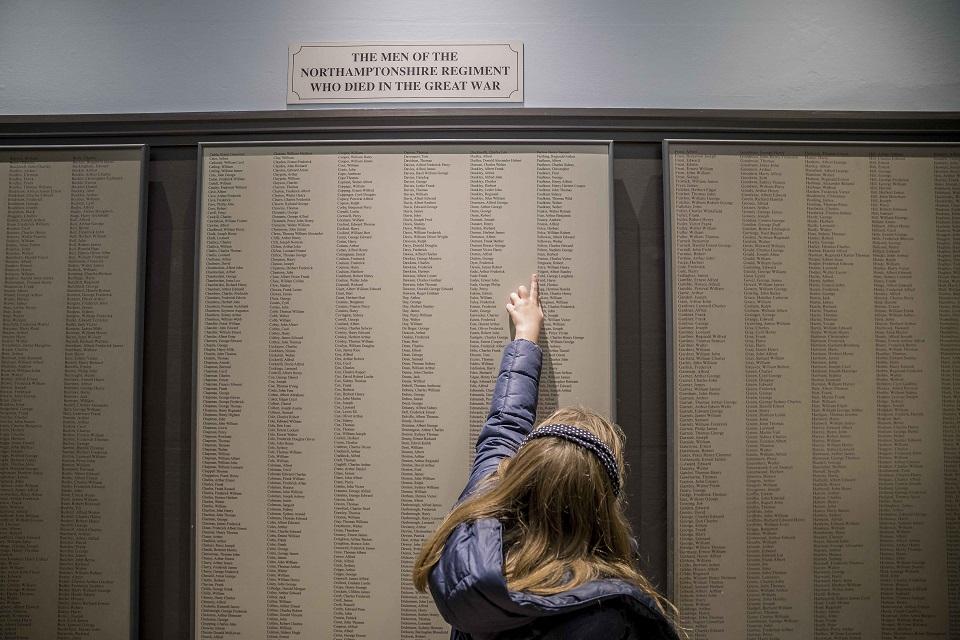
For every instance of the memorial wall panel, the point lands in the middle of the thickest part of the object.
(349, 325)
(70, 239)
(815, 321)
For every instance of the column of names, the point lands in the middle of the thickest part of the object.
(840, 288)
(70, 229)
(379, 273)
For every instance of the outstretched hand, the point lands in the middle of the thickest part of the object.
(524, 309)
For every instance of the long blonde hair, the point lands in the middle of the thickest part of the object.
(563, 526)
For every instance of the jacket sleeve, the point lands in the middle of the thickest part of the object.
(513, 409)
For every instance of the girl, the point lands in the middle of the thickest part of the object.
(538, 545)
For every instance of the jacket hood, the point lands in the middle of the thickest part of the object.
(470, 590)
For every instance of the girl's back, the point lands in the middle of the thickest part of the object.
(538, 545)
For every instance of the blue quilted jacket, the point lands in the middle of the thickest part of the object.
(468, 583)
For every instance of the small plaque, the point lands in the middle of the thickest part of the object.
(404, 72)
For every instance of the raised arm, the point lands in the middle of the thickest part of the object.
(513, 408)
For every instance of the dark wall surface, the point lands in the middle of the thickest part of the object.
(166, 431)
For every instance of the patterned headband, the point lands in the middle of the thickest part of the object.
(586, 440)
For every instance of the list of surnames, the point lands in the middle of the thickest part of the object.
(350, 325)
(815, 324)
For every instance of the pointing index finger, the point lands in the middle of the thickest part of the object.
(535, 287)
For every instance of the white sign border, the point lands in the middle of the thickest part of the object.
(294, 48)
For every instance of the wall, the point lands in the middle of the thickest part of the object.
(100, 56)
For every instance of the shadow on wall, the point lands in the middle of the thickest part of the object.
(166, 431)
(640, 348)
